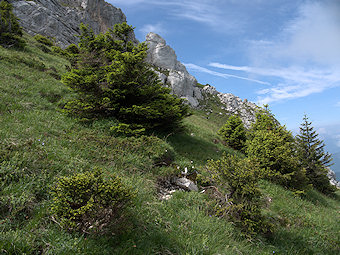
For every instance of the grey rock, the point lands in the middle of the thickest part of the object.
(332, 178)
(178, 79)
(184, 85)
(61, 18)
(186, 184)
(234, 105)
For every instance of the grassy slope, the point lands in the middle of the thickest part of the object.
(38, 144)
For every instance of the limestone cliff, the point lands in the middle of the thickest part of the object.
(61, 18)
(174, 74)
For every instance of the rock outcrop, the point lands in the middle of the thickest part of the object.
(175, 75)
(332, 178)
(61, 18)
(234, 105)
(172, 72)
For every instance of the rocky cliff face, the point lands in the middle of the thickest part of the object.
(174, 74)
(61, 18)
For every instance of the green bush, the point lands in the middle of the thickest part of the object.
(10, 30)
(273, 146)
(233, 133)
(43, 40)
(72, 49)
(112, 80)
(243, 201)
(88, 203)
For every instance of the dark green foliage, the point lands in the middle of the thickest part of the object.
(240, 177)
(273, 146)
(112, 80)
(72, 49)
(89, 203)
(312, 157)
(233, 133)
(43, 40)
(10, 30)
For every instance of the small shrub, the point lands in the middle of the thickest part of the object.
(43, 40)
(72, 49)
(88, 203)
(243, 202)
(234, 133)
(58, 51)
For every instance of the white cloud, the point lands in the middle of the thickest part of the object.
(337, 104)
(202, 11)
(155, 28)
(295, 81)
(223, 75)
(303, 57)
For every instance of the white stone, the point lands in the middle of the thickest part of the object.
(186, 184)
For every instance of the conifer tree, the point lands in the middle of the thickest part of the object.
(10, 30)
(234, 133)
(312, 156)
(112, 80)
(273, 146)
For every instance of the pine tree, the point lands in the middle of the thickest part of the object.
(10, 30)
(273, 146)
(112, 80)
(234, 133)
(312, 157)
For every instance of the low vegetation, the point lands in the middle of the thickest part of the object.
(69, 186)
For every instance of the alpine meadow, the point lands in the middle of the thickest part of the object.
(109, 146)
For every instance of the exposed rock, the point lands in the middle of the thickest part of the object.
(332, 178)
(172, 72)
(234, 105)
(61, 18)
(186, 184)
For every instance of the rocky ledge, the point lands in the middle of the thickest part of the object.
(61, 18)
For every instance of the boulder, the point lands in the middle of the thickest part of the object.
(186, 184)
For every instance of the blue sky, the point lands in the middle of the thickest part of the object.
(282, 52)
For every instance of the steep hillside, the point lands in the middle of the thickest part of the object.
(38, 144)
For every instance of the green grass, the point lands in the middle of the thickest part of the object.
(38, 143)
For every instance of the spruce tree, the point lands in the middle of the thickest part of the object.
(233, 133)
(312, 157)
(112, 80)
(273, 146)
(10, 30)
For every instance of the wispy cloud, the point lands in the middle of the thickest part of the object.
(155, 28)
(223, 75)
(295, 81)
(303, 57)
(337, 104)
(202, 11)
